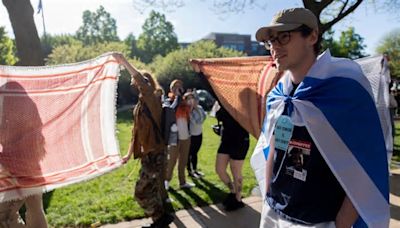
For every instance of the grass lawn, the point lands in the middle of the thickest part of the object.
(109, 198)
(396, 146)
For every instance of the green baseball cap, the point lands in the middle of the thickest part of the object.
(286, 20)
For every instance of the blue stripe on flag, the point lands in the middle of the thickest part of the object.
(352, 113)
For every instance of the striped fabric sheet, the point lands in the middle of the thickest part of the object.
(241, 85)
(57, 125)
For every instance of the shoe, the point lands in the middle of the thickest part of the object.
(162, 222)
(234, 205)
(194, 175)
(166, 185)
(187, 185)
(229, 199)
(201, 174)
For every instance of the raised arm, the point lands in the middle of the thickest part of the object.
(132, 71)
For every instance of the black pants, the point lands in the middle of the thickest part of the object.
(195, 144)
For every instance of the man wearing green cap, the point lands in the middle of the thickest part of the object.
(301, 189)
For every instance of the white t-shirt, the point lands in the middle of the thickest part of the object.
(197, 117)
(183, 129)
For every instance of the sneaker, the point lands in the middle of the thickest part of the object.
(187, 185)
(162, 222)
(229, 199)
(201, 174)
(166, 185)
(194, 175)
(234, 205)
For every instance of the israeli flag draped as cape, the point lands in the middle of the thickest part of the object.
(335, 103)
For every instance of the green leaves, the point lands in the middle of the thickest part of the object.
(176, 64)
(98, 27)
(391, 45)
(350, 44)
(158, 37)
(76, 52)
(7, 49)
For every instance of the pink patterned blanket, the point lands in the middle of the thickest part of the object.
(57, 125)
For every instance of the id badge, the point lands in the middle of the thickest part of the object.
(283, 132)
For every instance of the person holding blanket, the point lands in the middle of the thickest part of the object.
(147, 145)
(321, 158)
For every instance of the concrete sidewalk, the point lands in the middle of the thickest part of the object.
(249, 216)
(210, 216)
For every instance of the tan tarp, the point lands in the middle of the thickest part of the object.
(241, 85)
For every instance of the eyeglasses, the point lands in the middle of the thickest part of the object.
(282, 38)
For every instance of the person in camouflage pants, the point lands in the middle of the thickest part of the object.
(149, 189)
(147, 144)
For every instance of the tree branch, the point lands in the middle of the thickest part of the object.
(344, 6)
(339, 17)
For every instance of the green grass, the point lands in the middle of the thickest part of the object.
(109, 198)
(396, 146)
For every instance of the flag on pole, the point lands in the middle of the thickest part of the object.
(40, 7)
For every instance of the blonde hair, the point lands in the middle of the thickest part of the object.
(174, 83)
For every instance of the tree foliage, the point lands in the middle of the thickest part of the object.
(158, 37)
(391, 45)
(77, 52)
(7, 49)
(176, 64)
(49, 42)
(131, 42)
(98, 27)
(350, 44)
(126, 93)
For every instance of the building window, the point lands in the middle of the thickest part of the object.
(238, 47)
(254, 47)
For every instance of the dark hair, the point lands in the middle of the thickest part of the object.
(306, 31)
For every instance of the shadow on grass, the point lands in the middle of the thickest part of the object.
(396, 150)
(216, 195)
(185, 202)
(395, 184)
(46, 200)
(199, 201)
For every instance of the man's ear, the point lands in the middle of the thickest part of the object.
(313, 38)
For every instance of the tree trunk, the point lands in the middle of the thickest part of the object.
(29, 49)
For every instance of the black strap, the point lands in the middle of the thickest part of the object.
(146, 110)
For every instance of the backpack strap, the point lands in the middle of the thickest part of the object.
(155, 126)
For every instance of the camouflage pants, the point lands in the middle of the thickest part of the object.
(149, 190)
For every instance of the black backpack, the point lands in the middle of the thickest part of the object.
(168, 118)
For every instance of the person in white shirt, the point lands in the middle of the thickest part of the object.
(197, 117)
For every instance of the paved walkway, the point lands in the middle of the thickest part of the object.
(211, 216)
(249, 216)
